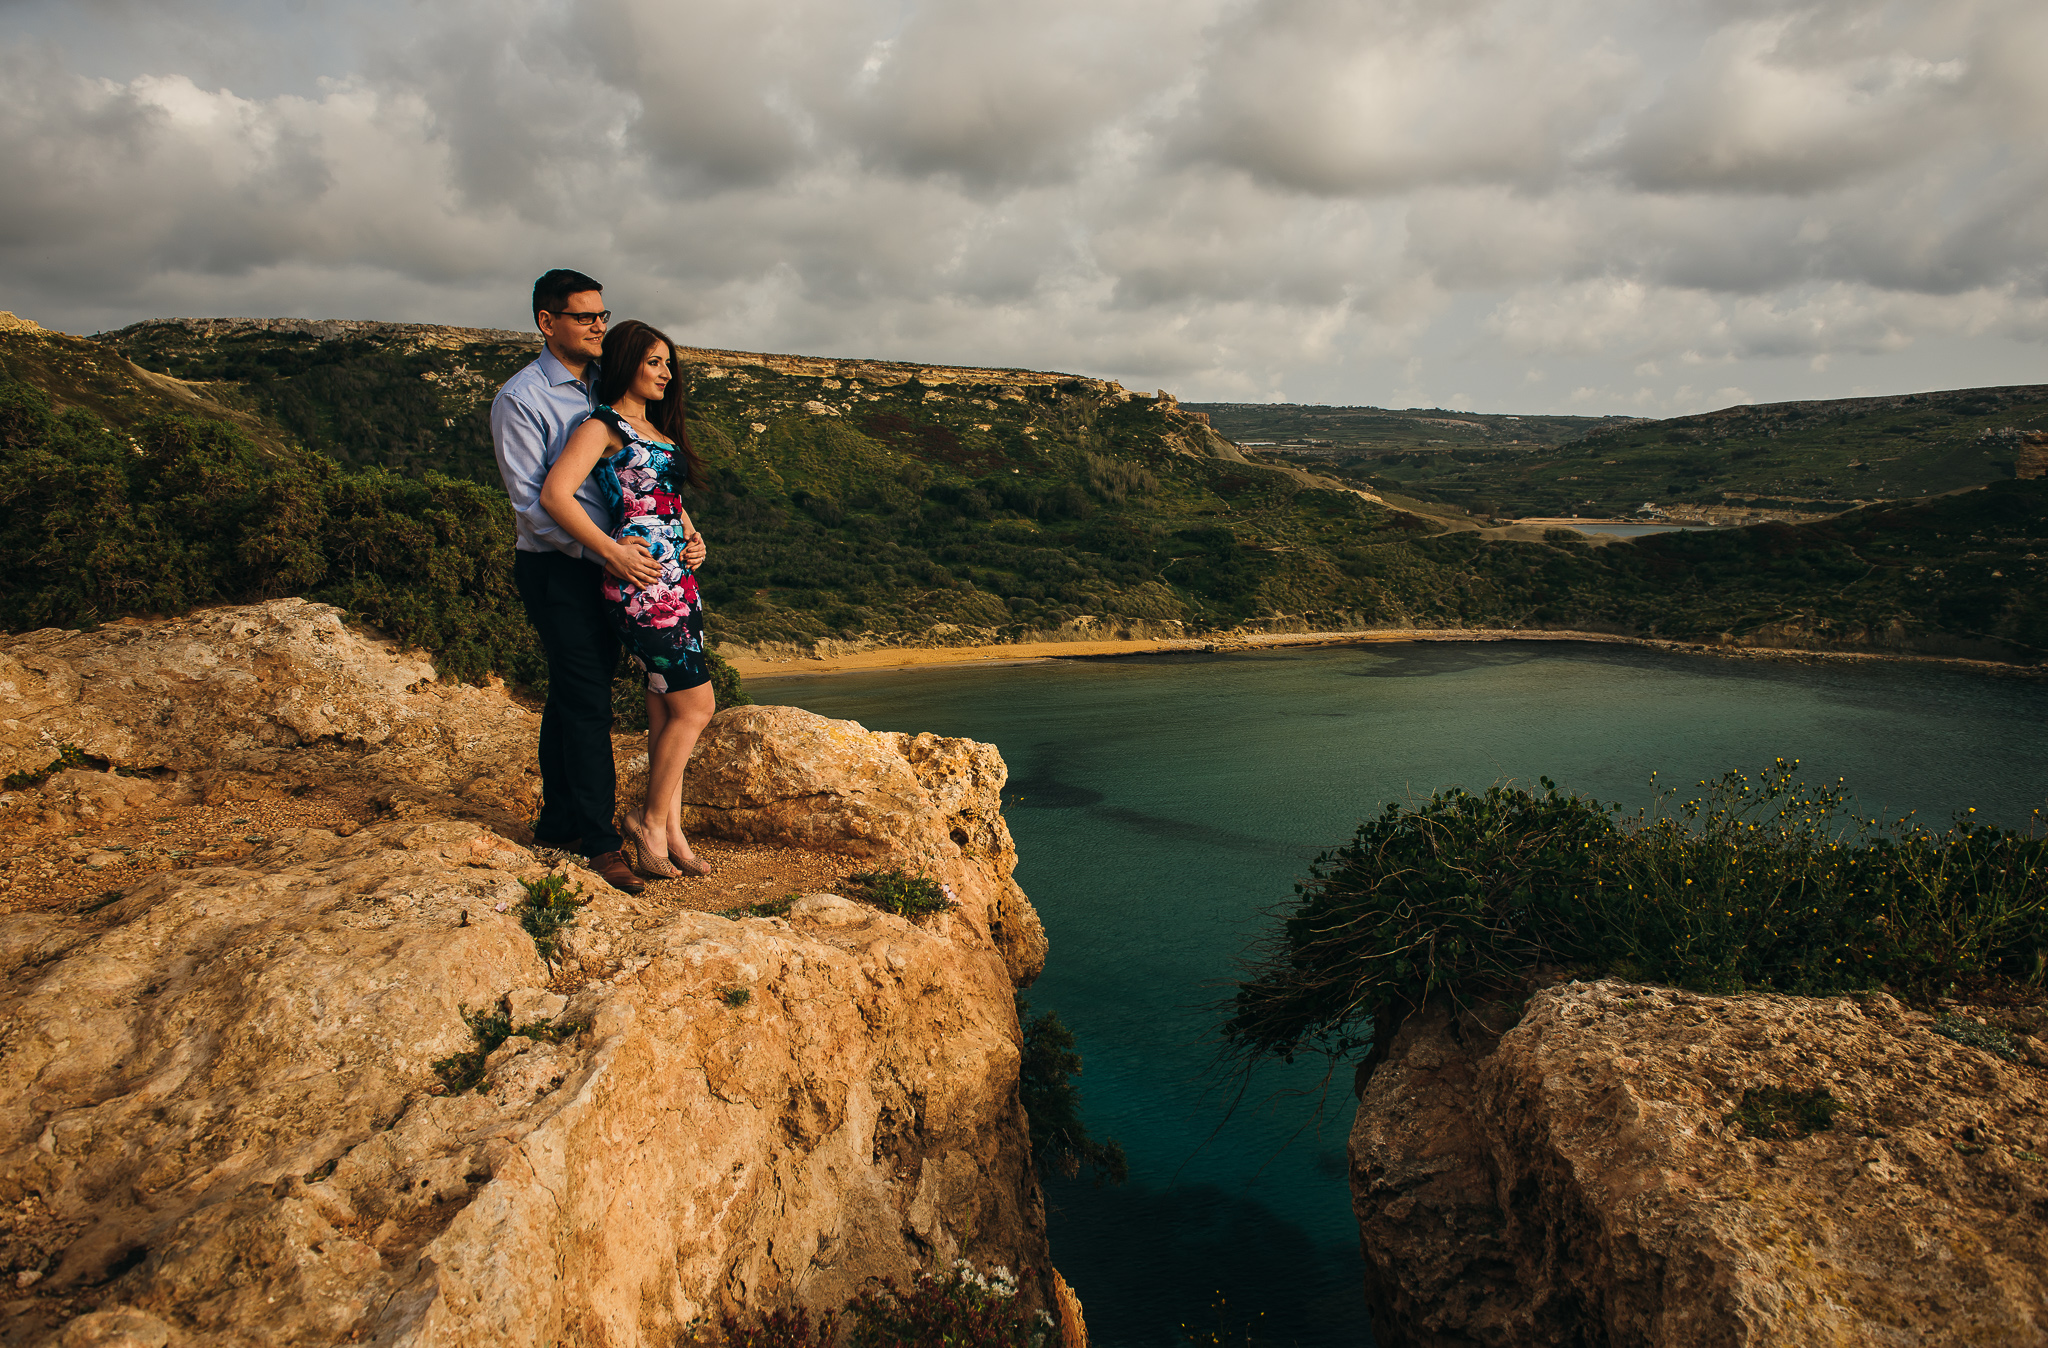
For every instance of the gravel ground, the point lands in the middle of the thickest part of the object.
(71, 868)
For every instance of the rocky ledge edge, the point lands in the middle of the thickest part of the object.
(1602, 1163)
(219, 1117)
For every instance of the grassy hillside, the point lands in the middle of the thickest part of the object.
(1788, 459)
(874, 502)
(1318, 430)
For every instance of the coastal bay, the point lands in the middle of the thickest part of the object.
(1164, 802)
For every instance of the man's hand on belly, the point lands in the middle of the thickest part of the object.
(633, 563)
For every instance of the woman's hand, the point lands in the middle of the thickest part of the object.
(630, 561)
(694, 550)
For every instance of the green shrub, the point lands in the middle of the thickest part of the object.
(1780, 1112)
(95, 524)
(958, 1309)
(1753, 883)
(911, 896)
(68, 756)
(182, 511)
(550, 905)
(1975, 1034)
(1045, 1083)
(464, 1071)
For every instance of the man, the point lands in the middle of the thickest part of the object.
(530, 423)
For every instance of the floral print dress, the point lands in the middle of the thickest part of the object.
(663, 624)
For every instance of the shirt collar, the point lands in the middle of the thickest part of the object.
(557, 372)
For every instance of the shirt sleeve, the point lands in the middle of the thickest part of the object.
(520, 438)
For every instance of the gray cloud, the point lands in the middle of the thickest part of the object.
(1234, 197)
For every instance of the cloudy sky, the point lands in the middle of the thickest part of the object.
(1641, 206)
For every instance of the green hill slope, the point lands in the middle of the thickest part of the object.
(1791, 460)
(868, 502)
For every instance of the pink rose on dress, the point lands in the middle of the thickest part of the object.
(667, 609)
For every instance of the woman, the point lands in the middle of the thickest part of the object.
(636, 443)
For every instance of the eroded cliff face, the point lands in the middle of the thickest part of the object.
(219, 1118)
(1582, 1177)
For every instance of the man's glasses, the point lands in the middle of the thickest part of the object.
(586, 318)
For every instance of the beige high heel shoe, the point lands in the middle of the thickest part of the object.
(651, 862)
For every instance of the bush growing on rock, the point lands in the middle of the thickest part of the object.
(1758, 883)
(961, 1308)
(911, 896)
(1045, 1081)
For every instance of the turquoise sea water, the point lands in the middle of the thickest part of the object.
(1162, 803)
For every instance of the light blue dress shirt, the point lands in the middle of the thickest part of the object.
(530, 423)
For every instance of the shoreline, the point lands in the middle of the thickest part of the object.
(1032, 652)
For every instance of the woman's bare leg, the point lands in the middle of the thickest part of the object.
(657, 717)
(684, 717)
(646, 827)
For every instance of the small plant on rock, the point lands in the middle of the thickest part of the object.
(911, 896)
(778, 1329)
(1975, 1034)
(68, 756)
(766, 908)
(550, 905)
(958, 1309)
(1781, 1112)
(464, 1071)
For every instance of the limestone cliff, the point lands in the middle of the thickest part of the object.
(1589, 1176)
(219, 1116)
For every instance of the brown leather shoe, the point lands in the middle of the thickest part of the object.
(612, 866)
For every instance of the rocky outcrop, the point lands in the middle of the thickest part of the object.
(1608, 1171)
(921, 803)
(221, 1119)
(243, 689)
(407, 335)
(2032, 459)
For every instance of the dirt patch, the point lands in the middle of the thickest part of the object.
(66, 866)
(741, 874)
(63, 867)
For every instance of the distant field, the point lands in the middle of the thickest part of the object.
(1789, 460)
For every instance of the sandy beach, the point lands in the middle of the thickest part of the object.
(919, 657)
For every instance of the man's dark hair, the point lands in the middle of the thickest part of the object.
(551, 291)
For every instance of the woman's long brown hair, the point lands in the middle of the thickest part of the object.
(625, 346)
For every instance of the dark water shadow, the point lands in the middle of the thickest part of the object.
(1048, 793)
(1210, 836)
(1041, 789)
(1420, 662)
(1151, 1265)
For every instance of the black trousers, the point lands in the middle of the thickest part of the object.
(578, 783)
